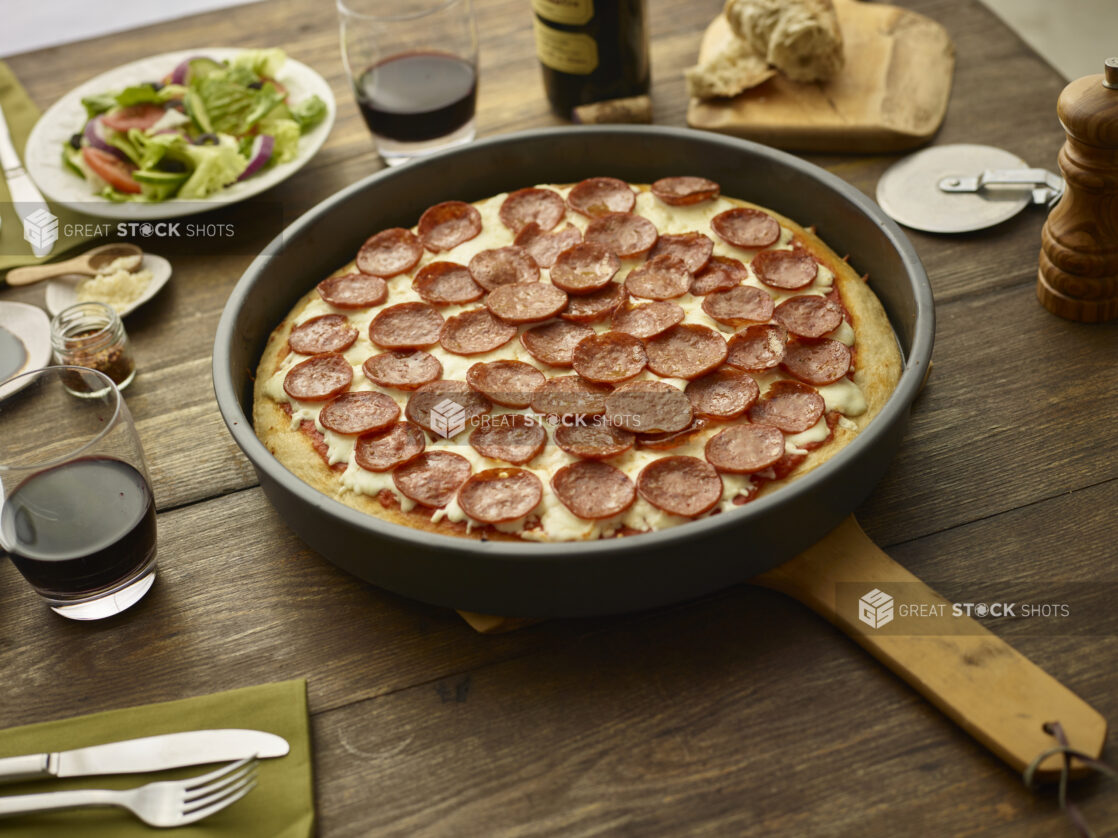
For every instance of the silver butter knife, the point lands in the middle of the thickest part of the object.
(152, 753)
(26, 199)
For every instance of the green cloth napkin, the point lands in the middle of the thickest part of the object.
(21, 114)
(281, 806)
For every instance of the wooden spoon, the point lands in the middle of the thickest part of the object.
(979, 681)
(87, 264)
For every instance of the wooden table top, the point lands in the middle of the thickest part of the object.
(740, 714)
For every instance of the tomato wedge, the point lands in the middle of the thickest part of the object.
(140, 117)
(113, 171)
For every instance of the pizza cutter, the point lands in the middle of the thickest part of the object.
(961, 188)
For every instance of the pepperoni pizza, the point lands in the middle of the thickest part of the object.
(565, 363)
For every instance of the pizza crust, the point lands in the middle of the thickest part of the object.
(878, 366)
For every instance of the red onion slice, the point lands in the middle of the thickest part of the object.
(261, 152)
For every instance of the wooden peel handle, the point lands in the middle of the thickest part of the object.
(980, 681)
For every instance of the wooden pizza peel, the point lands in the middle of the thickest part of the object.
(891, 94)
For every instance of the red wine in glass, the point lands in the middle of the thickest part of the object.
(417, 97)
(81, 527)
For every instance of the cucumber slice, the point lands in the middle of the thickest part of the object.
(199, 68)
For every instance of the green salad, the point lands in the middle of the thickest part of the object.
(203, 127)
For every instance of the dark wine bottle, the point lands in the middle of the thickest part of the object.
(591, 50)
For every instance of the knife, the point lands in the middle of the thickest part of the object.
(26, 198)
(152, 753)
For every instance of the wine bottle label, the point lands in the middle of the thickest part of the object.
(567, 52)
(571, 12)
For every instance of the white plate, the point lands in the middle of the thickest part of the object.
(32, 327)
(67, 116)
(62, 291)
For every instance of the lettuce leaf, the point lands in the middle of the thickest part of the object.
(286, 133)
(308, 113)
(215, 166)
(98, 104)
(262, 62)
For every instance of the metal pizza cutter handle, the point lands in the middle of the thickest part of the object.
(963, 187)
(978, 680)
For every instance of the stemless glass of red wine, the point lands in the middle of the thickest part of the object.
(414, 72)
(78, 516)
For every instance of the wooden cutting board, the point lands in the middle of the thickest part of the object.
(891, 94)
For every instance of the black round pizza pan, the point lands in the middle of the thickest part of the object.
(611, 575)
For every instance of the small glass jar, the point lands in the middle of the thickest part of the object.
(92, 335)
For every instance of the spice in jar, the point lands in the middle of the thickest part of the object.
(92, 335)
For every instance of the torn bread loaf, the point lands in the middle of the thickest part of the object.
(801, 38)
(736, 67)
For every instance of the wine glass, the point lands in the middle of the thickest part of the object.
(413, 67)
(77, 515)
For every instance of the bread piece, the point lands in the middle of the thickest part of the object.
(735, 68)
(801, 38)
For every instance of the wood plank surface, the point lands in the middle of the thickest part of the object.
(739, 714)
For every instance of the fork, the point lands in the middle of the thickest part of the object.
(164, 804)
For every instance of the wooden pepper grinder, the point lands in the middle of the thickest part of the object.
(1078, 276)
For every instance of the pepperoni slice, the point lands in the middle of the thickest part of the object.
(739, 306)
(788, 269)
(593, 490)
(720, 274)
(694, 249)
(685, 486)
(526, 302)
(757, 348)
(475, 331)
(609, 358)
(648, 407)
(745, 227)
(789, 405)
(499, 495)
(554, 343)
(447, 225)
(817, 361)
(389, 252)
(598, 196)
(359, 413)
(445, 407)
(353, 291)
(446, 284)
(661, 278)
(593, 441)
(625, 234)
(510, 383)
(432, 478)
(404, 370)
(545, 247)
(744, 449)
(512, 437)
(723, 394)
(684, 191)
(387, 449)
(589, 308)
(543, 207)
(406, 326)
(584, 268)
(327, 333)
(809, 315)
(569, 396)
(503, 266)
(686, 351)
(318, 378)
(671, 439)
(645, 321)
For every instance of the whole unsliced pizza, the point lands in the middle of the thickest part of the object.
(563, 363)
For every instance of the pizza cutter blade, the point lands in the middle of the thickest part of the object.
(961, 188)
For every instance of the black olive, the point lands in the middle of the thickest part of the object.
(76, 141)
(255, 85)
(156, 85)
(206, 139)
